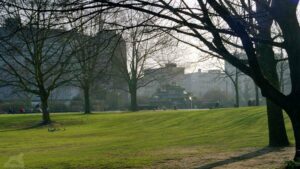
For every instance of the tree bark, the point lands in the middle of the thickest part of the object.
(133, 98)
(295, 119)
(45, 110)
(277, 130)
(87, 104)
(268, 64)
(296, 127)
(237, 93)
(237, 98)
(288, 22)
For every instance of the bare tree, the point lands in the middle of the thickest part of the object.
(215, 23)
(142, 43)
(233, 76)
(268, 64)
(93, 48)
(35, 55)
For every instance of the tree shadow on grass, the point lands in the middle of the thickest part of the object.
(25, 128)
(242, 157)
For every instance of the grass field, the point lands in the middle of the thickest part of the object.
(121, 140)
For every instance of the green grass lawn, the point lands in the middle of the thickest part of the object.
(121, 140)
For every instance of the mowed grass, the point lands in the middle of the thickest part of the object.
(125, 140)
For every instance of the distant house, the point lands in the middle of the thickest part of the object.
(171, 96)
(200, 83)
(170, 74)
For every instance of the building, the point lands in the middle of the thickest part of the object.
(170, 74)
(207, 87)
(114, 49)
(171, 97)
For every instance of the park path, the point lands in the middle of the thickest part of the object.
(264, 158)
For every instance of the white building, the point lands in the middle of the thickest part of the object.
(200, 83)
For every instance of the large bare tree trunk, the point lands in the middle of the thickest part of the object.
(45, 110)
(237, 93)
(268, 64)
(295, 119)
(133, 97)
(277, 130)
(237, 97)
(87, 104)
(287, 19)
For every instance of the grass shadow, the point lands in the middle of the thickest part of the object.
(38, 125)
(242, 157)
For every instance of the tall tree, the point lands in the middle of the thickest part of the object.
(93, 57)
(208, 21)
(268, 64)
(93, 51)
(142, 43)
(215, 23)
(34, 53)
(233, 76)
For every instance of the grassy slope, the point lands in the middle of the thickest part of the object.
(130, 139)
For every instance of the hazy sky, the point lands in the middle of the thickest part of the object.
(192, 58)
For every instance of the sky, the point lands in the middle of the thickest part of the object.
(192, 59)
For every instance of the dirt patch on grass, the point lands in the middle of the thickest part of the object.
(264, 158)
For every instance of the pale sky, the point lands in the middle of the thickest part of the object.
(192, 58)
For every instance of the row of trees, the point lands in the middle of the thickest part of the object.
(220, 27)
(42, 50)
(236, 76)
